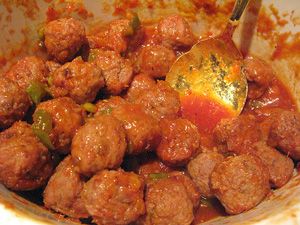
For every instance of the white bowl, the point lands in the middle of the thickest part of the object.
(18, 30)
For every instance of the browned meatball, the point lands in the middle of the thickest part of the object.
(176, 32)
(28, 70)
(25, 163)
(168, 202)
(63, 38)
(238, 135)
(106, 106)
(62, 192)
(112, 38)
(78, 79)
(240, 183)
(140, 83)
(161, 101)
(190, 186)
(180, 142)
(14, 102)
(142, 131)
(154, 60)
(259, 75)
(67, 117)
(280, 167)
(200, 169)
(285, 132)
(52, 66)
(114, 197)
(117, 71)
(99, 144)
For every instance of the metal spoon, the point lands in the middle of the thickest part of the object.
(209, 77)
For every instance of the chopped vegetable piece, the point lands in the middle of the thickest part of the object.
(44, 137)
(158, 176)
(36, 91)
(41, 33)
(89, 107)
(42, 126)
(134, 24)
(42, 120)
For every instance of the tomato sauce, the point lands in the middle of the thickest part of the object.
(204, 112)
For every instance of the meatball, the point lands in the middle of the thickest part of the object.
(67, 117)
(161, 101)
(117, 71)
(168, 202)
(99, 144)
(201, 168)
(141, 83)
(240, 183)
(27, 70)
(176, 32)
(142, 131)
(190, 186)
(14, 102)
(114, 197)
(180, 142)
(112, 38)
(238, 135)
(62, 193)
(154, 60)
(25, 163)
(285, 132)
(52, 66)
(63, 38)
(78, 79)
(280, 166)
(259, 75)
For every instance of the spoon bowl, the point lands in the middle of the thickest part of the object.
(210, 77)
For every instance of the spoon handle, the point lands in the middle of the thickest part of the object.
(238, 10)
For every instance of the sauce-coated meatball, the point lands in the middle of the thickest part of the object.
(117, 71)
(63, 38)
(62, 193)
(176, 32)
(200, 169)
(112, 38)
(142, 131)
(78, 79)
(259, 75)
(160, 101)
(114, 197)
(154, 60)
(52, 66)
(25, 163)
(67, 117)
(168, 202)
(28, 70)
(280, 167)
(14, 102)
(285, 132)
(139, 84)
(180, 142)
(238, 135)
(240, 183)
(99, 144)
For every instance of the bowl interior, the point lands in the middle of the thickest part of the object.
(19, 24)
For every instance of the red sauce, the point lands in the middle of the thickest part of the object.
(208, 211)
(277, 96)
(204, 112)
